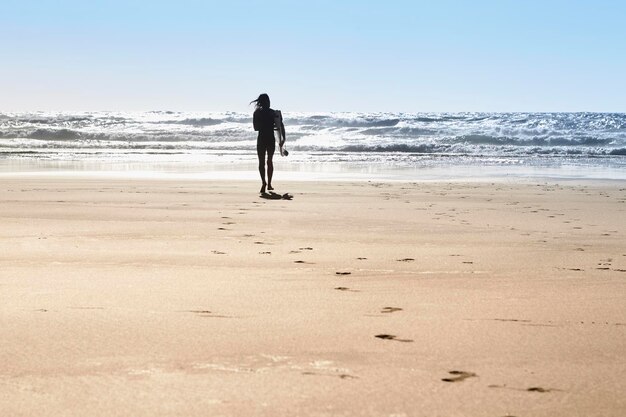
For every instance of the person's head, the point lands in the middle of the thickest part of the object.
(263, 102)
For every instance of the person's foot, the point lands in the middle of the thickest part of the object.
(262, 189)
(269, 187)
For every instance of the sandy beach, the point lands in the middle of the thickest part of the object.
(123, 297)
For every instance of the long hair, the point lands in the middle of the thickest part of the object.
(263, 102)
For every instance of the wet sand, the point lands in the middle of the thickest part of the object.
(196, 298)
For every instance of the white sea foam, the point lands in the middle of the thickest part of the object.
(406, 140)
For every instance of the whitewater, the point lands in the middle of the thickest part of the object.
(572, 144)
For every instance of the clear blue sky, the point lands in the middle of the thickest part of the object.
(480, 55)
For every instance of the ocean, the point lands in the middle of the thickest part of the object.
(410, 146)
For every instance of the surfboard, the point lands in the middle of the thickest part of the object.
(279, 127)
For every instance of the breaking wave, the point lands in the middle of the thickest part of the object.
(471, 134)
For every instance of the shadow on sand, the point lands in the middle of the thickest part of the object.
(275, 196)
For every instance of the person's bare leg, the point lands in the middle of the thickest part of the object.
(261, 154)
(270, 169)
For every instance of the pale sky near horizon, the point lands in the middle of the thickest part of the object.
(398, 56)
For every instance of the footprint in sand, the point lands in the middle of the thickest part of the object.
(300, 250)
(207, 313)
(390, 309)
(345, 289)
(392, 337)
(538, 389)
(342, 376)
(531, 389)
(459, 376)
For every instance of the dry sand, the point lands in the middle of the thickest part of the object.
(192, 298)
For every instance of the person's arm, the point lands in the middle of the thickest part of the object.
(284, 134)
(256, 121)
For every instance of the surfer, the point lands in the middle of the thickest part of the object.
(264, 121)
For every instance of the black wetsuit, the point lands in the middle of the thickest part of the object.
(263, 121)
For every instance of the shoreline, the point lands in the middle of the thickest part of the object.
(227, 177)
(305, 172)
